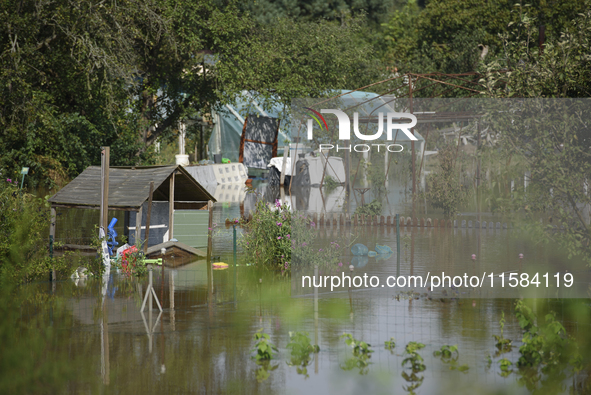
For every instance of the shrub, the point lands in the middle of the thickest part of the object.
(24, 236)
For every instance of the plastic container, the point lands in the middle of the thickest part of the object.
(383, 249)
(359, 249)
(372, 253)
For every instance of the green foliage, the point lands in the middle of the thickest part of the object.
(447, 352)
(414, 360)
(505, 366)
(330, 184)
(263, 346)
(445, 189)
(545, 344)
(24, 237)
(301, 348)
(448, 36)
(390, 344)
(269, 11)
(131, 262)
(560, 70)
(503, 345)
(372, 209)
(267, 240)
(361, 354)
(77, 76)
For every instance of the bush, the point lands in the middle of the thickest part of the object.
(445, 190)
(270, 240)
(267, 237)
(24, 236)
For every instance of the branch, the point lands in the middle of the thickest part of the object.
(172, 118)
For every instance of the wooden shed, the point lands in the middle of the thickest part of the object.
(129, 191)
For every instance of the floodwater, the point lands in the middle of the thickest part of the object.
(203, 343)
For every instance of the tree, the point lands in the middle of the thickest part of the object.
(78, 75)
(552, 136)
(449, 36)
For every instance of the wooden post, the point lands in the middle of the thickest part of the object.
(347, 172)
(171, 208)
(105, 158)
(148, 219)
(138, 227)
(283, 165)
(209, 248)
(51, 241)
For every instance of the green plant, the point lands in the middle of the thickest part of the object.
(445, 190)
(267, 239)
(330, 184)
(447, 352)
(361, 354)
(263, 346)
(374, 208)
(301, 348)
(503, 345)
(390, 344)
(414, 360)
(545, 344)
(131, 262)
(24, 232)
(505, 365)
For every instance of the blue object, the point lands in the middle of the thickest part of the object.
(383, 257)
(111, 234)
(359, 249)
(372, 253)
(383, 249)
(359, 261)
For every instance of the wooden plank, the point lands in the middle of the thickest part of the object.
(138, 227)
(149, 216)
(171, 208)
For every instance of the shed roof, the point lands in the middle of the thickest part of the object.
(129, 187)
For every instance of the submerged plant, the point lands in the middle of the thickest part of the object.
(415, 362)
(449, 355)
(361, 354)
(263, 346)
(546, 344)
(447, 352)
(503, 345)
(390, 344)
(301, 348)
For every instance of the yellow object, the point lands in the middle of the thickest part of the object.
(220, 266)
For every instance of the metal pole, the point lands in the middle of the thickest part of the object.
(397, 245)
(150, 297)
(235, 266)
(315, 317)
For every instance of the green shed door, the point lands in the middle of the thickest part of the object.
(190, 227)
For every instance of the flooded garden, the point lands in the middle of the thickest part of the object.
(240, 328)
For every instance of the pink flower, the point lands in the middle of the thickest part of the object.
(277, 203)
(288, 236)
(279, 238)
(340, 264)
(312, 224)
(8, 180)
(278, 223)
